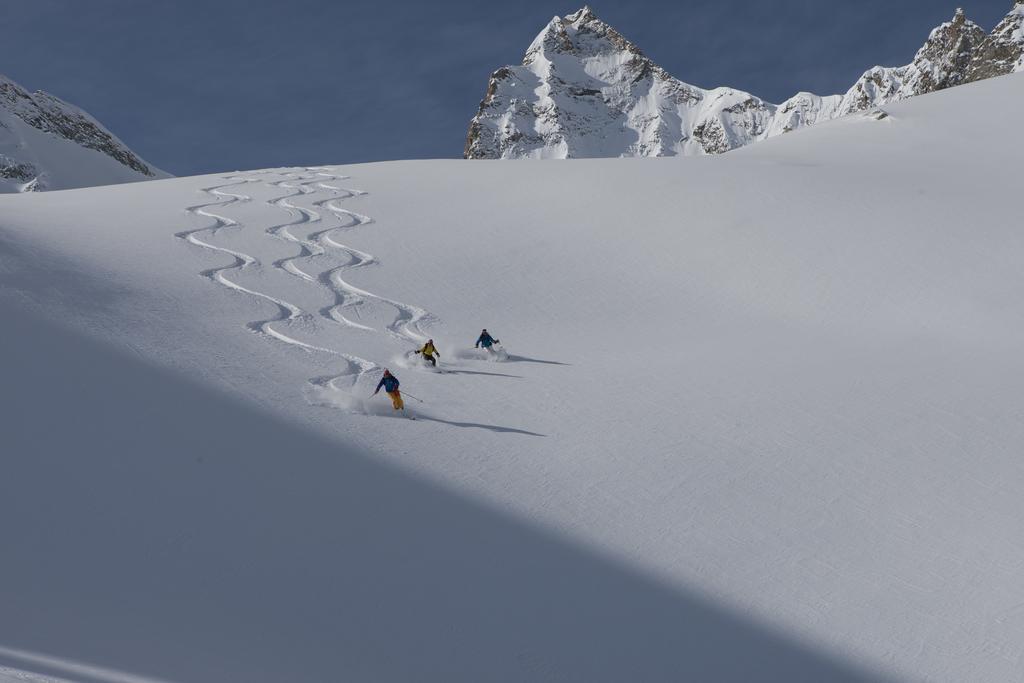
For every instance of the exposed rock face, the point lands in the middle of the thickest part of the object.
(942, 62)
(36, 132)
(15, 170)
(1003, 50)
(583, 90)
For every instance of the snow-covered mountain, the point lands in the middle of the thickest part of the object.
(583, 90)
(957, 52)
(1003, 51)
(739, 436)
(48, 144)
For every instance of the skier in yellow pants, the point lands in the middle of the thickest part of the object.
(391, 384)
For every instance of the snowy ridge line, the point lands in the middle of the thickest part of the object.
(66, 667)
(325, 172)
(287, 312)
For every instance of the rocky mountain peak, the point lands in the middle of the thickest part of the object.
(583, 85)
(950, 34)
(582, 15)
(943, 60)
(1003, 50)
(553, 39)
(583, 89)
(39, 132)
(581, 34)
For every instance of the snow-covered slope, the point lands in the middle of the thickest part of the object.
(761, 418)
(48, 144)
(583, 90)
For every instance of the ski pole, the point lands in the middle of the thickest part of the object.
(413, 397)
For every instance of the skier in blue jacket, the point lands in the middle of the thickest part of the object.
(486, 340)
(391, 384)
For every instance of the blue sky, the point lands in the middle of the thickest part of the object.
(199, 87)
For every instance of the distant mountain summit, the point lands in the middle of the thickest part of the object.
(948, 58)
(48, 144)
(1002, 52)
(584, 90)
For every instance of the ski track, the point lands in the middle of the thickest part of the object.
(287, 312)
(307, 248)
(409, 322)
(317, 244)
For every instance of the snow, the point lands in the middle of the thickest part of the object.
(65, 164)
(80, 672)
(1011, 31)
(51, 161)
(760, 418)
(584, 91)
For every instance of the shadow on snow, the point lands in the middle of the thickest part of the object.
(478, 372)
(155, 526)
(478, 425)
(512, 358)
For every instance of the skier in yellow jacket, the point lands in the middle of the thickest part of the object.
(429, 351)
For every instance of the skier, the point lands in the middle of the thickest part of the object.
(487, 341)
(390, 384)
(429, 351)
